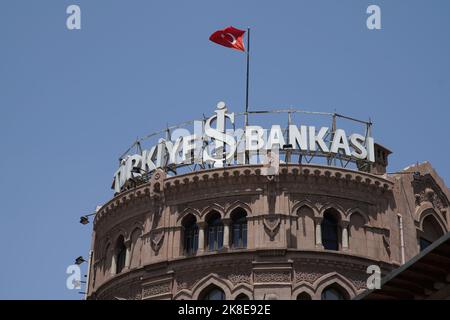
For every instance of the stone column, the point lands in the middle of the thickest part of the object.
(128, 254)
(344, 226)
(201, 237)
(318, 221)
(112, 270)
(226, 233)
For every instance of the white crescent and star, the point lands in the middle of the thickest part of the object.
(232, 37)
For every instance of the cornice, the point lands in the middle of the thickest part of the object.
(247, 179)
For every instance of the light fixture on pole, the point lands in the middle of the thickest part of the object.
(85, 219)
(79, 260)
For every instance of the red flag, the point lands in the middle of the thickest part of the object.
(229, 37)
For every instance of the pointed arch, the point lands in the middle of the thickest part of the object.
(186, 212)
(304, 203)
(431, 212)
(236, 205)
(242, 289)
(210, 208)
(332, 206)
(211, 280)
(430, 229)
(137, 225)
(120, 233)
(334, 279)
(303, 287)
(242, 296)
(357, 210)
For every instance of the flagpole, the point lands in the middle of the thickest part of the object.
(248, 69)
(247, 156)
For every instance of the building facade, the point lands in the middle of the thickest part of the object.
(309, 232)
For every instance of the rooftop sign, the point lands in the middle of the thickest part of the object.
(213, 145)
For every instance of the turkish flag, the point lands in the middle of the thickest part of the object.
(229, 37)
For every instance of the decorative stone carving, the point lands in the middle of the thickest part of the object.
(156, 240)
(272, 225)
(237, 278)
(425, 189)
(360, 284)
(181, 284)
(272, 276)
(156, 289)
(309, 277)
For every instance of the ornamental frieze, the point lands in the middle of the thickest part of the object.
(237, 278)
(309, 277)
(156, 290)
(272, 276)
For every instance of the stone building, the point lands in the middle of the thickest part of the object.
(232, 233)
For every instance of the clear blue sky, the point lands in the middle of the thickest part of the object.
(72, 101)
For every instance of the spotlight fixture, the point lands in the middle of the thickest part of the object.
(79, 260)
(85, 219)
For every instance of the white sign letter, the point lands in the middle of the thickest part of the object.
(374, 281)
(374, 20)
(73, 21)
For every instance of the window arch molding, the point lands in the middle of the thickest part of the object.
(360, 212)
(238, 205)
(334, 279)
(242, 289)
(304, 203)
(331, 206)
(205, 213)
(185, 213)
(211, 279)
(431, 212)
(430, 228)
(303, 287)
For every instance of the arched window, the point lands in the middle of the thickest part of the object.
(431, 232)
(242, 296)
(329, 228)
(333, 293)
(190, 235)
(212, 293)
(239, 228)
(121, 253)
(304, 296)
(214, 232)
